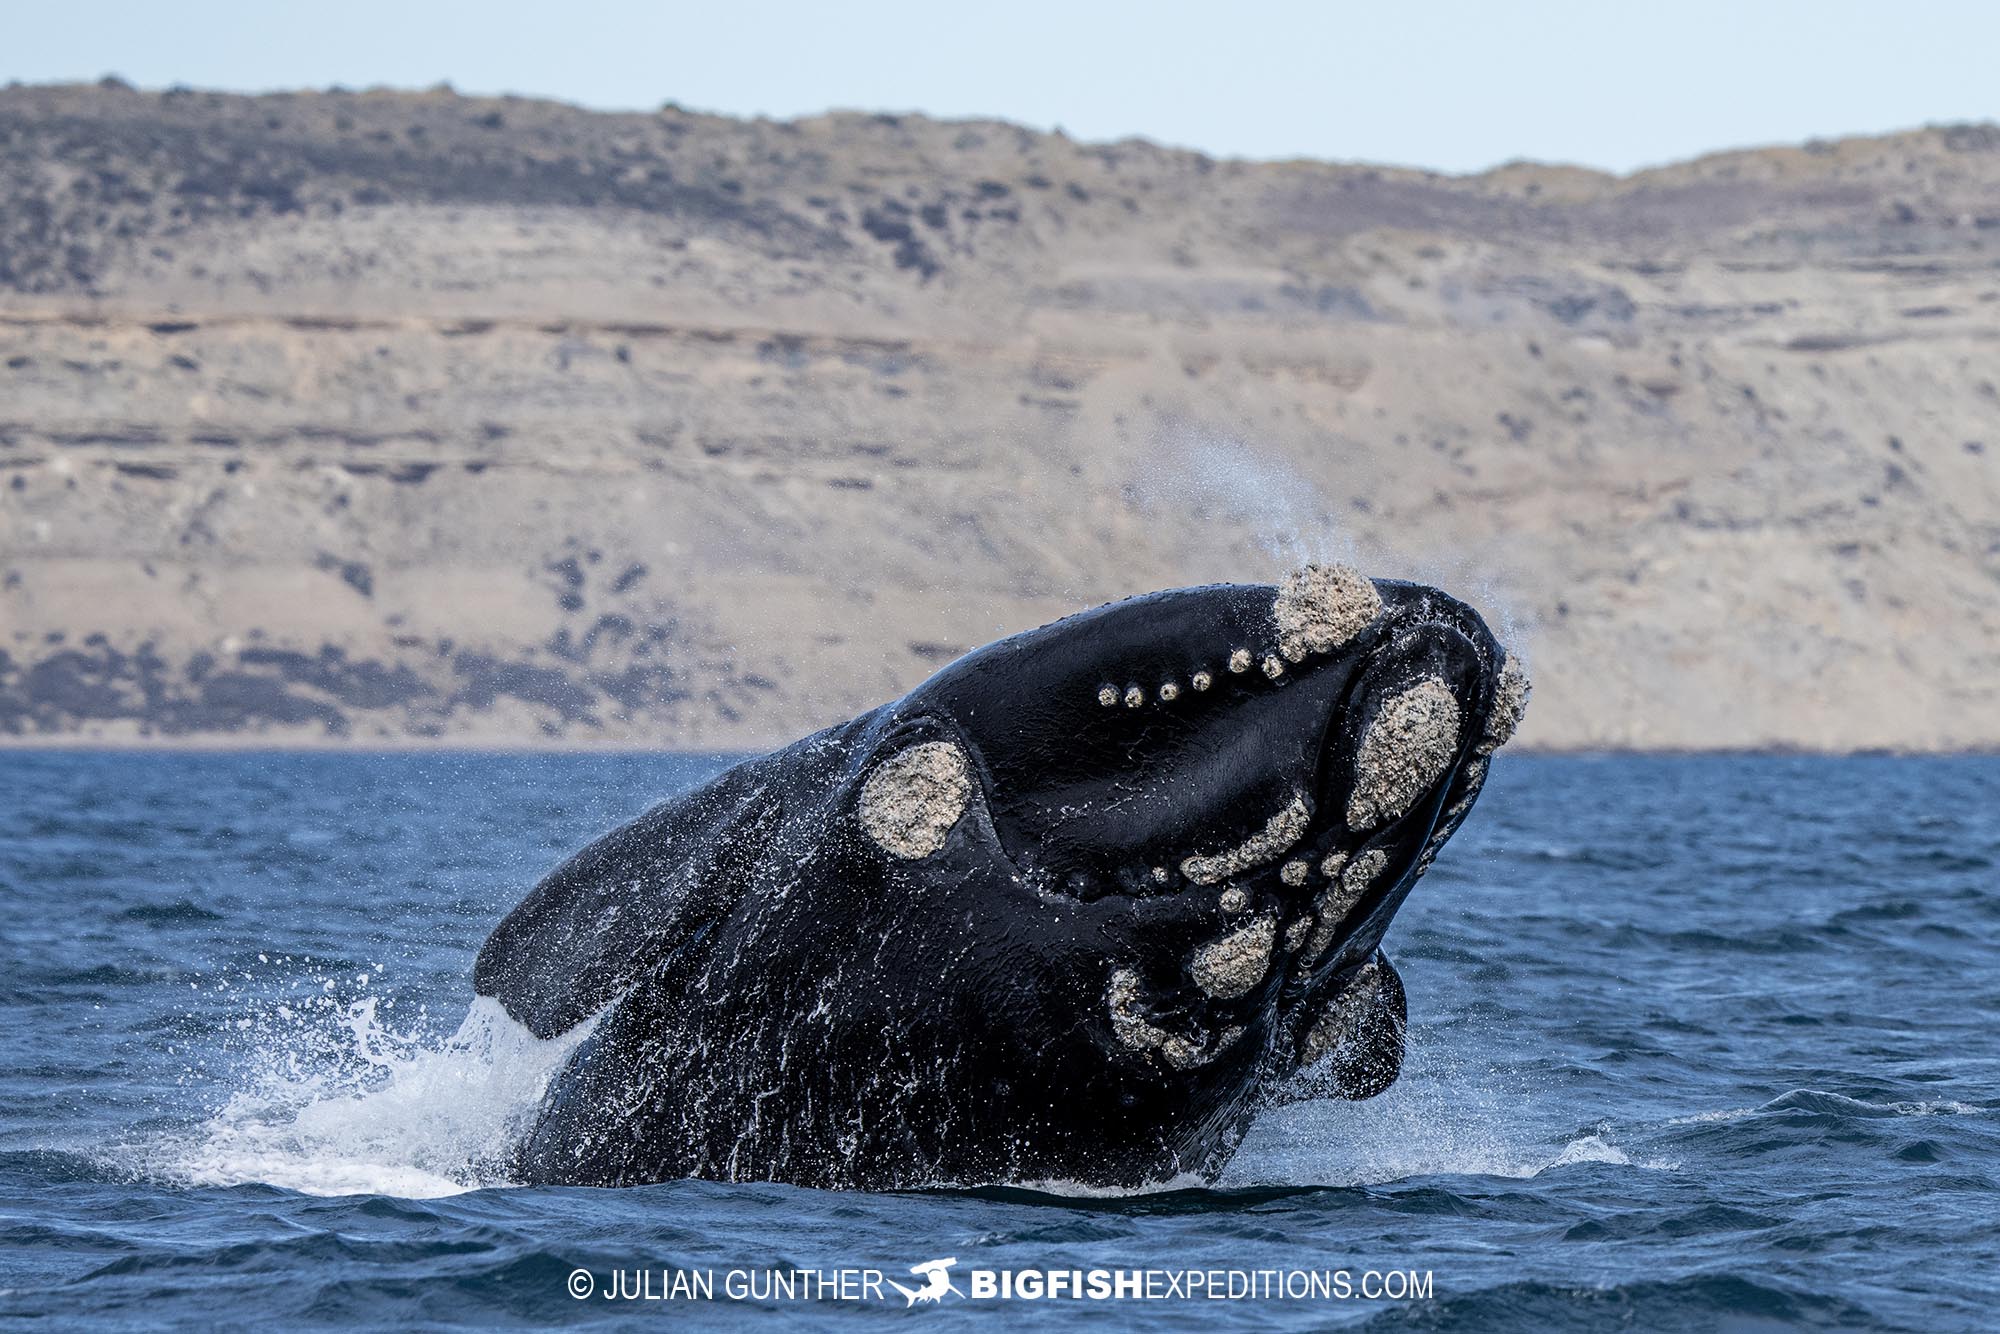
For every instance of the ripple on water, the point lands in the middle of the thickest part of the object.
(1696, 1043)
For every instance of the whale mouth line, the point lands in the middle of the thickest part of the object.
(1233, 778)
(1284, 845)
(1284, 851)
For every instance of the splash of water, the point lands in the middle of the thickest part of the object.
(376, 1111)
(1443, 1117)
(1217, 496)
(1219, 501)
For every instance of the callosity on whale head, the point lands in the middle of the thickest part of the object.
(1070, 910)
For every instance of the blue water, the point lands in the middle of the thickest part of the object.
(1697, 1043)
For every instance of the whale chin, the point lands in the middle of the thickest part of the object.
(1071, 909)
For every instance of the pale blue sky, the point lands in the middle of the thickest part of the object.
(1449, 85)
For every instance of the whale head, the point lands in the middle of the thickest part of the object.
(1071, 909)
(1215, 799)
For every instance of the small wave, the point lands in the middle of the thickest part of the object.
(1839, 1104)
(1247, 1180)
(1587, 1149)
(1692, 1301)
(180, 910)
(1442, 1118)
(1821, 1103)
(1706, 1118)
(1079, 1190)
(382, 1114)
(1336, 1156)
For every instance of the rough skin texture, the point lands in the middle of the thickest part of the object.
(1267, 845)
(1510, 704)
(1342, 1019)
(1361, 873)
(1235, 964)
(1337, 900)
(1140, 1035)
(1321, 607)
(914, 797)
(1407, 746)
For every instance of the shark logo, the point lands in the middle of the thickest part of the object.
(936, 1282)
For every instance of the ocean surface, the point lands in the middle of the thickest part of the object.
(1703, 1043)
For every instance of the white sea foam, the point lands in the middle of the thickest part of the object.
(1591, 1149)
(1440, 1118)
(1834, 1104)
(1083, 1190)
(374, 1111)
(327, 1097)
(1705, 1118)
(1944, 1107)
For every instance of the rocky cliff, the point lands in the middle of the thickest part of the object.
(377, 418)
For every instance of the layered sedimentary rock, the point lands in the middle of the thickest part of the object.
(388, 418)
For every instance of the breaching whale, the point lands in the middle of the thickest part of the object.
(1071, 910)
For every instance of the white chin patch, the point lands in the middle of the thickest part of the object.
(911, 801)
(1407, 747)
(1321, 607)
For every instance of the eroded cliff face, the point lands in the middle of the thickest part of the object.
(390, 417)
